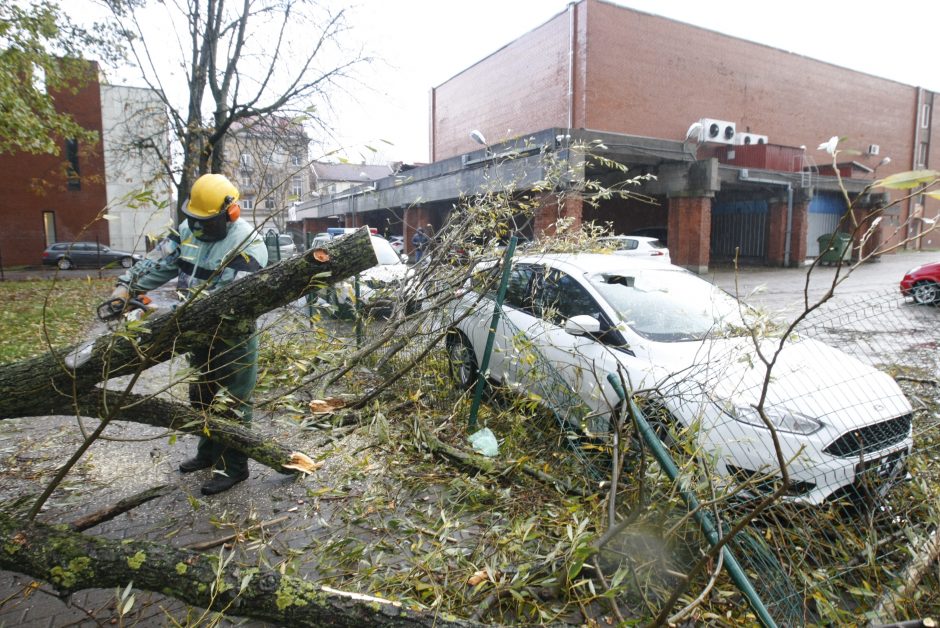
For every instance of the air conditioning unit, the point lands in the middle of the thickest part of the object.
(746, 139)
(720, 131)
(874, 149)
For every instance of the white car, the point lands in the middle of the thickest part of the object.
(636, 246)
(379, 287)
(680, 342)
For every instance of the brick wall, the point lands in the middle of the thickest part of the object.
(641, 74)
(519, 89)
(32, 184)
(551, 209)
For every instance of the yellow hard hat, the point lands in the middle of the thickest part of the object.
(211, 194)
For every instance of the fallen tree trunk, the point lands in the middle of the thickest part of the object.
(71, 562)
(40, 385)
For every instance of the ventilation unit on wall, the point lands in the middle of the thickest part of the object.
(720, 131)
(746, 139)
(874, 149)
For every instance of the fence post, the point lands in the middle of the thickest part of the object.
(701, 516)
(487, 352)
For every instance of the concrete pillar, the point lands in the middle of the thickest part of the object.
(550, 210)
(690, 224)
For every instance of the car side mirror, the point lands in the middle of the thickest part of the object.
(582, 325)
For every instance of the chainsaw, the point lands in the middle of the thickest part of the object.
(129, 309)
(108, 312)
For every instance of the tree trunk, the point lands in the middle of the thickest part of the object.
(41, 385)
(74, 562)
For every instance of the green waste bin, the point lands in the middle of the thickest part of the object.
(834, 247)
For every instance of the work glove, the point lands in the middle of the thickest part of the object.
(116, 303)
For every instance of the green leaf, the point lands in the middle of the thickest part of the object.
(908, 180)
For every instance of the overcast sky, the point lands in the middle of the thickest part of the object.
(425, 42)
(419, 44)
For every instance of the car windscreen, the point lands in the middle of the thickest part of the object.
(670, 305)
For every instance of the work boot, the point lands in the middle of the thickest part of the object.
(220, 483)
(194, 464)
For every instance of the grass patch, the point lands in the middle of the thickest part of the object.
(39, 313)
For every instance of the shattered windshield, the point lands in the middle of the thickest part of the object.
(670, 305)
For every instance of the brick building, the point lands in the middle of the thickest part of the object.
(638, 83)
(49, 198)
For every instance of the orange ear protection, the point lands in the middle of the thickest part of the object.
(232, 208)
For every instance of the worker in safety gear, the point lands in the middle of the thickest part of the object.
(212, 248)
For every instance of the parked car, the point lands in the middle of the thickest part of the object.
(636, 246)
(683, 345)
(68, 255)
(380, 287)
(922, 284)
(280, 246)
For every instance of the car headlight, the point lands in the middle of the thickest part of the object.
(781, 418)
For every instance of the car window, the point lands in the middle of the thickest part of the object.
(619, 244)
(517, 290)
(285, 240)
(560, 297)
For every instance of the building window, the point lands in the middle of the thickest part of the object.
(72, 171)
(247, 203)
(246, 160)
(269, 203)
(269, 181)
(922, 155)
(296, 160)
(925, 117)
(48, 227)
(296, 185)
(245, 177)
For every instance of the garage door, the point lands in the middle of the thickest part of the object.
(825, 212)
(739, 225)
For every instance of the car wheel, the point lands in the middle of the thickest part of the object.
(462, 360)
(64, 263)
(926, 293)
(127, 262)
(662, 421)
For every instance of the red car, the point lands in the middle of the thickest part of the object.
(922, 284)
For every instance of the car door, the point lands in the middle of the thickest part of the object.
(578, 364)
(83, 253)
(514, 316)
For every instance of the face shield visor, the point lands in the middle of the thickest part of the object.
(210, 228)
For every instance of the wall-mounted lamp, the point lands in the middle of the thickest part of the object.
(477, 137)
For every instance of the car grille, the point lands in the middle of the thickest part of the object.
(871, 438)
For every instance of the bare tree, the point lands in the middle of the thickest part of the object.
(241, 61)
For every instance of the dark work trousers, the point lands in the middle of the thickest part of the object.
(230, 367)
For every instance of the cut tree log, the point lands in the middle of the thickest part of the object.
(71, 562)
(39, 385)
